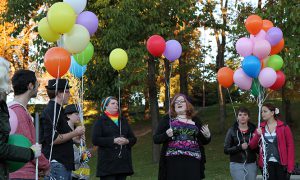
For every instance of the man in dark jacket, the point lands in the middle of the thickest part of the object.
(58, 146)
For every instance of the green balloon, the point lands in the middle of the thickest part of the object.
(17, 140)
(255, 87)
(85, 56)
(275, 62)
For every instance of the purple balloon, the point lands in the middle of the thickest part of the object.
(267, 77)
(89, 20)
(244, 46)
(274, 35)
(241, 79)
(173, 50)
(261, 48)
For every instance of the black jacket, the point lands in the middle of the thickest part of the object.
(109, 161)
(233, 144)
(9, 152)
(64, 152)
(161, 137)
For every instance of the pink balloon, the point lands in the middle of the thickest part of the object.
(241, 79)
(261, 48)
(260, 36)
(244, 46)
(13, 121)
(267, 77)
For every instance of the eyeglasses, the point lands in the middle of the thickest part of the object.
(179, 101)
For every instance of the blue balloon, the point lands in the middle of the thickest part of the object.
(251, 66)
(76, 69)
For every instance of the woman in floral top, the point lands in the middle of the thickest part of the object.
(183, 137)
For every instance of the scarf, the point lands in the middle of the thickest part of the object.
(113, 117)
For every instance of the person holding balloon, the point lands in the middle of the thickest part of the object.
(73, 118)
(25, 87)
(55, 134)
(11, 148)
(242, 159)
(279, 144)
(183, 137)
(114, 138)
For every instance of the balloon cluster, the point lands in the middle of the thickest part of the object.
(260, 66)
(157, 46)
(72, 28)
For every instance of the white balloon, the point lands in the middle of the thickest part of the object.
(77, 5)
(77, 39)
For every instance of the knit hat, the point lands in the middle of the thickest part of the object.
(105, 102)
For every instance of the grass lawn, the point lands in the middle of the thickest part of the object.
(217, 166)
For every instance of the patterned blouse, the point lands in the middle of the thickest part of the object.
(184, 141)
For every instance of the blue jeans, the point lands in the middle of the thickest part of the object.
(241, 171)
(58, 172)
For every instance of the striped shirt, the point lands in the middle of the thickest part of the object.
(270, 137)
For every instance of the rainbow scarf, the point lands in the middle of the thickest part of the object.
(113, 117)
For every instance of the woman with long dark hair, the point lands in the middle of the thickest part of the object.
(279, 144)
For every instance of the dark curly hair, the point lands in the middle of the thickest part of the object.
(21, 79)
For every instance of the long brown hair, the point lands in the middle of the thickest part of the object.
(189, 107)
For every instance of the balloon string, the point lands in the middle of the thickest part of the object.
(232, 103)
(54, 115)
(120, 116)
(168, 82)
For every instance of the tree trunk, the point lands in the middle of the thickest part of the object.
(147, 107)
(203, 93)
(167, 84)
(220, 63)
(222, 108)
(125, 103)
(153, 106)
(286, 107)
(183, 76)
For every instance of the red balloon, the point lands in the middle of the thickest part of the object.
(279, 81)
(156, 45)
(57, 61)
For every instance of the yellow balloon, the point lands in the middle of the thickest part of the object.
(118, 59)
(61, 17)
(46, 32)
(77, 39)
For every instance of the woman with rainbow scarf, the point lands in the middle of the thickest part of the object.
(114, 138)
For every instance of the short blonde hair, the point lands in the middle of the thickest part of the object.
(4, 74)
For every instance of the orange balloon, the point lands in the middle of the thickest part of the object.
(267, 25)
(264, 62)
(57, 61)
(253, 24)
(278, 47)
(225, 77)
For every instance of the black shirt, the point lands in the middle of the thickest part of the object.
(62, 153)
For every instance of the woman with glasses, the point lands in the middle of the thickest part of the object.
(183, 137)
